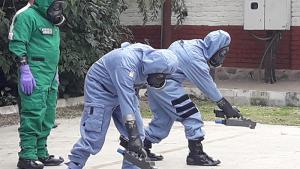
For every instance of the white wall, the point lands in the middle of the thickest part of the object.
(295, 12)
(214, 12)
(206, 12)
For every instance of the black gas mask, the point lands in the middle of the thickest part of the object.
(55, 12)
(156, 80)
(218, 58)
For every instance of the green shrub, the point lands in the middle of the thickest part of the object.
(91, 30)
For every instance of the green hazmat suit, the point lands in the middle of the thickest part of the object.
(33, 36)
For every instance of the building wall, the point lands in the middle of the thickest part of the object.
(207, 15)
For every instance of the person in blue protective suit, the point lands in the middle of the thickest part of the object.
(109, 91)
(173, 104)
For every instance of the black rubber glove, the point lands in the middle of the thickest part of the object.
(229, 111)
(135, 143)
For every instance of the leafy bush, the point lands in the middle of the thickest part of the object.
(91, 30)
(8, 74)
(150, 9)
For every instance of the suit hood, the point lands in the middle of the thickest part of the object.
(42, 6)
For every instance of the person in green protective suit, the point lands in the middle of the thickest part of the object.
(34, 40)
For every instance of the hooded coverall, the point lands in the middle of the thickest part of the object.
(34, 37)
(109, 92)
(172, 103)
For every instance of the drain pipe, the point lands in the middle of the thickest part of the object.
(166, 27)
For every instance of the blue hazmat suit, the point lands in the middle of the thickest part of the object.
(172, 103)
(109, 92)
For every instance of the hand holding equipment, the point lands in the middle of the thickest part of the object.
(241, 121)
(227, 108)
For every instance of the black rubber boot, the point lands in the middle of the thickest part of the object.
(51, 160)
(29, 164)
(198, 157)
(151, 156)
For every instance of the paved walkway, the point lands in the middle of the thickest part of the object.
(266, 147)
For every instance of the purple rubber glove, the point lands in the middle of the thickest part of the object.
(27, 81)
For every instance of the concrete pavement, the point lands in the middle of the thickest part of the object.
(266, 147)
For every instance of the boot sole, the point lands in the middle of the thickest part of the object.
(53, 164)
(20, 167)
(155, 159)
(201, 164)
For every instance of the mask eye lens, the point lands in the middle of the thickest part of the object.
(224, 52)
(219, 57)
(58, 5)
(160, 77)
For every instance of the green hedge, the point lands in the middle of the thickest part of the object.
(91, 30)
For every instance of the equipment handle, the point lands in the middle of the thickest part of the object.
(219, 121)
(121, 151)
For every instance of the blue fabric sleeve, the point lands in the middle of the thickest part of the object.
(198, 73)
(123, 80)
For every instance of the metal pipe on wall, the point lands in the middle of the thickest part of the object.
(166, 27)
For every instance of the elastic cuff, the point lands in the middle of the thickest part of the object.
(73, 165)
(147, 144)
(221, 103)
(22, 60)
(76, 161)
